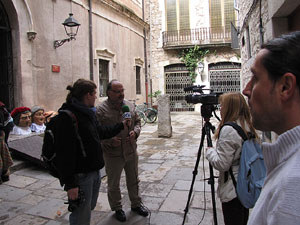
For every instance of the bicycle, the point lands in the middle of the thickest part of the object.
(147, 115)
(142, 117)
(140, 113)
(150, 113)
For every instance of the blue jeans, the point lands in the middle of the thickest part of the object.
(89, 183)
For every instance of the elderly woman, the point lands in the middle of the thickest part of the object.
(22, 121)
(37, 119)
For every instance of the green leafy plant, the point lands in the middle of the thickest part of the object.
(155, 94)
(191, 58)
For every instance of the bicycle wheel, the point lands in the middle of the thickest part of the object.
(151, 115)
(142, 117)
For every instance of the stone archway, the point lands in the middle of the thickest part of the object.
(6, 60)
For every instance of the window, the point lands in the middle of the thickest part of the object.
(177, 15)
(222, 14)
(229, 14)
(248, 43)
(103, 77)
(215, 16)
(138, 79)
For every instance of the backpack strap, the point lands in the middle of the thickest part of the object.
(244, 136)
(232, 176)
(238, 129)
(75, 125)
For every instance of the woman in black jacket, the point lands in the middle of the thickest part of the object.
(80, 168)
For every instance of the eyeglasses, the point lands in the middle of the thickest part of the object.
(118, 92)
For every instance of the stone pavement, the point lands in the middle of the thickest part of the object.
(165, 171)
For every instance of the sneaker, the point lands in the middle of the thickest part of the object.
(120, 215)
(141, 210)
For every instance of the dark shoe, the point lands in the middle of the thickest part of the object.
(5, 178)
(120, 215)
(141, 210)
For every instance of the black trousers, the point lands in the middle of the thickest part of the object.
(235, 213)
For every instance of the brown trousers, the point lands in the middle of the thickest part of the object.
(114, 167)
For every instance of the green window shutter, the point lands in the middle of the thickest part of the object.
(229, 14)
(215, 16)
(184, 14)
(171, 15)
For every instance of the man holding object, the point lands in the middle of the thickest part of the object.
(120, 151)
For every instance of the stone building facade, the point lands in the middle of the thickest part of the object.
(110, 45)
(260, 21)
(167, 71)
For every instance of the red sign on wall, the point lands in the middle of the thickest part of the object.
(55, 68)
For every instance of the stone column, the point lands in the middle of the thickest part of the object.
(164, 128)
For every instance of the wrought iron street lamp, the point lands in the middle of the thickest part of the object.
(200, 71)
(200, 68)
(71, 27)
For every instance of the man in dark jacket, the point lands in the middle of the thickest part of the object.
(79, 171)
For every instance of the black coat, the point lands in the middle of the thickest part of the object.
(70, 160)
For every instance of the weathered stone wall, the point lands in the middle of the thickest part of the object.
(252, 21)
(117, 31)
(274, 15)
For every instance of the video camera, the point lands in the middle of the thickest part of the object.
(206, 99)
(209, 101)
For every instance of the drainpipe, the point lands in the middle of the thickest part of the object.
(145, 54)
(91, 41)
(261, 36)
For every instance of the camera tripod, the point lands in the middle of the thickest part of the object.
(206, 112)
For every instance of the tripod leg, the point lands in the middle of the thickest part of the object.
(208, 127)
(194, 175)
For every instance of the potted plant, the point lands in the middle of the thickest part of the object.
(154, 95)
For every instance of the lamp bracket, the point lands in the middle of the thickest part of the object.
(58, 43)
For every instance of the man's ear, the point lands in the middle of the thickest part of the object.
(288, 84)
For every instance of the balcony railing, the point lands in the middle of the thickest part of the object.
(198, 36)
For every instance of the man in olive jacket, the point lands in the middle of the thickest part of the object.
(120, 151)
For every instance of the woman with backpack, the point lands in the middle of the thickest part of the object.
(227, 154)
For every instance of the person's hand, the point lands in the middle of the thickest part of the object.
(116, 142)
(127, 123)
(132, 136)
(73, 193)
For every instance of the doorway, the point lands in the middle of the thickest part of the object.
(6, 61)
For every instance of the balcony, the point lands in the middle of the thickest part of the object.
(205, 37)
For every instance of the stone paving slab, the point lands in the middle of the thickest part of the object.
(50, 208)
(25, 219)
(12, 194)
(166, 168)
